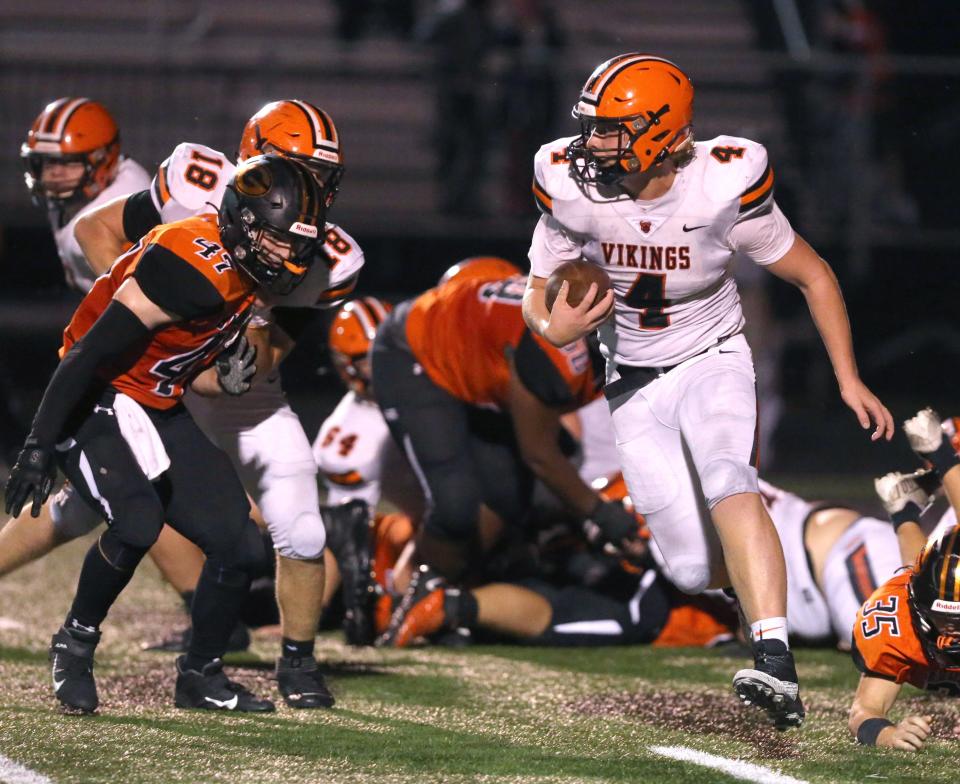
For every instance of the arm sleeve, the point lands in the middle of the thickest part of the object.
(115, 332)
(139, 215)
(765, 239)
(551, 246)
(538, 374)
(176, 285)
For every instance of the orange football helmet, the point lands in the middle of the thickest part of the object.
(71, 130)
(351, 337)
(647, 102)
(935, 598)
(476, 267)
(297, 129)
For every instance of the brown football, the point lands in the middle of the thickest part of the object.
(579, 274)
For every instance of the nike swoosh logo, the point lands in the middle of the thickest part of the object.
(694, 228)
(228, 704)
(57, 684)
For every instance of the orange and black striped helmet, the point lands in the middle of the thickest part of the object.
(70, 130)
(351, 337)
(647, 102)
(476, 267)
(300, 130)
(935, 597)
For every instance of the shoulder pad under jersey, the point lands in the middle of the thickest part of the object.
(738, 169)
(551, 176)
(190, 181)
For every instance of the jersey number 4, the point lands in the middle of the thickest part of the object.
(647, 294)
(881, 616)
(727, 154)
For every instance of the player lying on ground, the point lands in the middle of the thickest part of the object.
(908, 631)
(663, 216)
(111, 417)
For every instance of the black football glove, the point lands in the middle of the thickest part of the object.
(609, 524)
(236, 366)
(32, 474)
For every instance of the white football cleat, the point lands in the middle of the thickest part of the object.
(924, 431)
(896, 490)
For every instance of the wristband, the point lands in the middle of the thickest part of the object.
(870, 730)
(910, 513)
(943, 457)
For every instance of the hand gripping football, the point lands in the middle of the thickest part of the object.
(579, 274)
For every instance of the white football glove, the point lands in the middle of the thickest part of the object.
(924, 432)
(896, 490)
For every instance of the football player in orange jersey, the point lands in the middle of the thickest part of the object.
(260, 431)
(474, 399)
(111, 417)
(908, 631)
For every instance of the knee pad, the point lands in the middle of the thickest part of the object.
(689, 577)
(247, 554)
(219, 573)
(121, 556)
(305, 539)
(72, 517)
(453, 514)
(723, 477)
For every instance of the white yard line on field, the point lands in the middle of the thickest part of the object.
(10, 623)
(14, 773)
(740, 770)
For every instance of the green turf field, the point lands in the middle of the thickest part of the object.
(482, 714)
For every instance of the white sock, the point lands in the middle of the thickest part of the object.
(770, 629)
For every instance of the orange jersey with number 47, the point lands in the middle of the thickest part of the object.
(156, 377)
(886, 645)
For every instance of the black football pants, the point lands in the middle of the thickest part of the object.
(199, 495)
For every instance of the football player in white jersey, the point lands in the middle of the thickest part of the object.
(73, 165)
(835, 558)
(663, 216)
(258, 429)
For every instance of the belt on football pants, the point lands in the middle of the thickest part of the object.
(633, 378)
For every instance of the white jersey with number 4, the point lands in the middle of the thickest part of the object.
(131, 178)
(192, 181)
(669, 258)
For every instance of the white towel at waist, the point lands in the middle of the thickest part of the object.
(141, 436)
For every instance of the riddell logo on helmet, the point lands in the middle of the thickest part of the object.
(940, 605)
(303, 229)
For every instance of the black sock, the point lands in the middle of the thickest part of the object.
(193, 662)
(216, 609)
(187, 597)
(296, 649)
(461, 609)
(99, 586)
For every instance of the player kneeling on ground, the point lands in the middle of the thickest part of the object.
(112, 417)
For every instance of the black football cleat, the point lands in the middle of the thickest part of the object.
(349, 527)
(301, 683)
(71, 653)
(772, 685)
(211, 689)
(178, 641)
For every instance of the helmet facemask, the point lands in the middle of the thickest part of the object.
(77, 193)
(614, 158)
(280, 259)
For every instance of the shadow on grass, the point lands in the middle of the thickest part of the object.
(22, 656)
(392, 745)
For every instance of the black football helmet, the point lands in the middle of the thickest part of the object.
(273, 221)
(935, 598)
